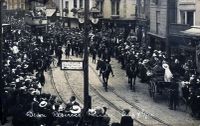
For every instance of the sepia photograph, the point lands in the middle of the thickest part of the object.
(100, 63)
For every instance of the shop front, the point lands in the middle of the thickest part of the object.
(157, 42)
(194, 35)
(186, 46)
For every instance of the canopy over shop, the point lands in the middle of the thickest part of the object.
(187, 44)
(194, 34)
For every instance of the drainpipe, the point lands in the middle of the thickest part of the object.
(167, 48)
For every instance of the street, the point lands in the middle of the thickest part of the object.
(120, 95)
(100, 63)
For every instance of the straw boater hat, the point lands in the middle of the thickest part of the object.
(145, 61)
(92, 111)
(43, 104)
(165, 66)
(75, 109)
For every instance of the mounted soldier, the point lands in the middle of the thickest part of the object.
(131, 72)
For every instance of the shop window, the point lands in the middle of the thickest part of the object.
(75, 3)
(80, 3)
(142, 6)
(157, 22)
(190, 18)
(66, 10)
(187, 17)
(99, 5)
(22, 6)
(115, 6)
(156, 2)
(66, 4)
(13, 4)
(182, 16)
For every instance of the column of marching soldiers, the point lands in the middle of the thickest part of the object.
(26, 57)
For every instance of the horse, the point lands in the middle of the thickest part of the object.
(131, 72)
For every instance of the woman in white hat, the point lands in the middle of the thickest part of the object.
(168, 74)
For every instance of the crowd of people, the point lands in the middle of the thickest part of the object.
(26, 57)
(138, 61)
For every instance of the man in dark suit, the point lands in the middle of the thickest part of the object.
(173, 95)
(106, 69)
(72, 102)
(59, 55)
(126, 119)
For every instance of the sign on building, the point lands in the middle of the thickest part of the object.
(71, 65)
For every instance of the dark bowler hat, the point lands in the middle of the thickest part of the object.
(126, 111)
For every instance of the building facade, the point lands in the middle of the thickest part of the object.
(15, 4)
(162, 13)
(142, 20)
(119, 13)
(67, 10)
(187, 12)
(143, 9)
(185, 33)
(113, 12)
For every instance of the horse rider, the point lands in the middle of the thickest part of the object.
(131, 72)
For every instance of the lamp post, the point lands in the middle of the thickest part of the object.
(2, 4)
(1, 86)
(87, 98)
(83, 16)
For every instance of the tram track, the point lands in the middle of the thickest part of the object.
(74, 93)
(154, 120)
(98, 100)
(54, 87)
(162, 123)
(60, 96)
(95, 92)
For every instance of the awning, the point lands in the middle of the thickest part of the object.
(194, 31)
(50, 12)
(156, 35)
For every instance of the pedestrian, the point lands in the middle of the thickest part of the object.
(40, 76)
(59, 55)
(67, 50)
(72, 102)
(99, 65)
(106, 69)
(94, 53)
(106, 118)
(173, 94)
(126, 119)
